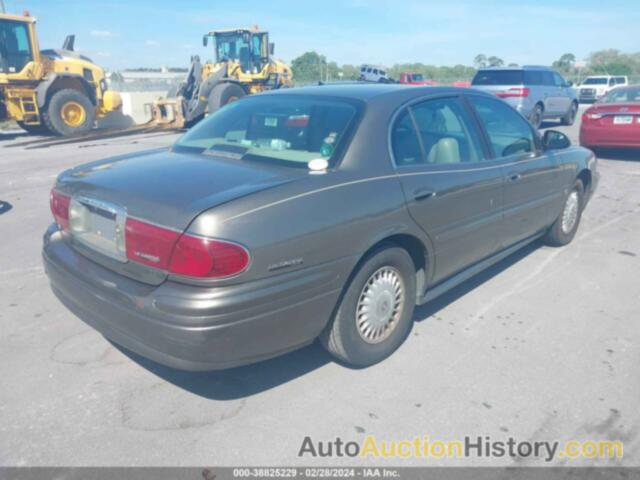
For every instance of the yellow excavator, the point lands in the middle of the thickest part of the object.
(243, 66)
(54, 91)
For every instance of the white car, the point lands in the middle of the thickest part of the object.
(373, 73)
(595, 87)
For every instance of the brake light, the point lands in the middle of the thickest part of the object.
(59, 203)
(183, 254)
(514, 92)
(208, 258)
(591, 116)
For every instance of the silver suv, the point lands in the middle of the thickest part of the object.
(538, 93)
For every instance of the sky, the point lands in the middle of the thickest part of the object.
(151, 33)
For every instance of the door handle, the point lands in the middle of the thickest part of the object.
(423, 194)
(514, 177)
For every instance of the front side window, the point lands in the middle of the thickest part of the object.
(509, 133)
(559, 81)
(595, 81)
(276, 129)
(435, 132)
(15, 49)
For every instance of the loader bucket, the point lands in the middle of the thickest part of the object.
(167, 112)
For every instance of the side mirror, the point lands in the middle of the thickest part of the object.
(569, 84)
(272, 48)
(205, 40)
(554, 140)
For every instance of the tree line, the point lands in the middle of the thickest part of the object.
(311, 67)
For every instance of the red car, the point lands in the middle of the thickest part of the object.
(614, 121)
(409, 78)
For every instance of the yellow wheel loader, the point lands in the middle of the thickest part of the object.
(53, 91)
(243, 66)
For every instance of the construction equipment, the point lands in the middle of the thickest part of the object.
(51, 91)
(243, 66)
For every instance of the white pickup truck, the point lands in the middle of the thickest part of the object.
(595, 87)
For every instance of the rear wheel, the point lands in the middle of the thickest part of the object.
(69, 112)
(223, 94)
(566, 225)
(375, 314)
(34, 129)
(570, 117)
(536, 116)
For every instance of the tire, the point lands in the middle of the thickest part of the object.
(535, 118)
(222, 94)
(570, 117)
(34, 129)
(560, 234)
(69, 112)
(384, 273)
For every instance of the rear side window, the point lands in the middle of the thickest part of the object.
(547, 79)
(509, 133)
(435, 132)
(533, 77)
(498, 77)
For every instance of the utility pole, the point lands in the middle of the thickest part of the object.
(2, 9)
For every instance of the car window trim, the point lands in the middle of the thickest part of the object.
(407, 106)
(516, 157)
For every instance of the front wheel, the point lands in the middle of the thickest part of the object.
(69, 112)
(536, 116)
(222, 94)
(570, 117)
(566, 225)
(375, 313)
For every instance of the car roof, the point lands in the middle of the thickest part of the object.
(370, 91)
(519, 67)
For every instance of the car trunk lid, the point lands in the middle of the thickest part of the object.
(161, 188)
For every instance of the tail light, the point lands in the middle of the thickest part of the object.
(59, 203)
(183, 254)
(591, 116)
(205, 257)
(514, 92)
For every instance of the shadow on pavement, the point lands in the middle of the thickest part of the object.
(5, 207)
(265, 375)
(425, 311)
(254, 379)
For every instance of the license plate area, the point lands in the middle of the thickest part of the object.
(623, 120)
(99, 226)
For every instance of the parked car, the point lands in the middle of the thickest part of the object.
(372, 73)
(595, 87)
(408, 78)
(614, 121)
(538, 93)
(327, 211)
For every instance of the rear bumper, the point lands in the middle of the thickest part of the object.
(196, 328)
(604, 137)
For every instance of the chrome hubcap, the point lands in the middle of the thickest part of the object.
(570, 213)
(380, 305)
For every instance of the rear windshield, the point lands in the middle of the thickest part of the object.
(287, 130)
(622, 95)
(595, 81)
(498, 77)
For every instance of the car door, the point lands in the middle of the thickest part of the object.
(450, 192)
(563, 95)
(551, 107)
(532, 178)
